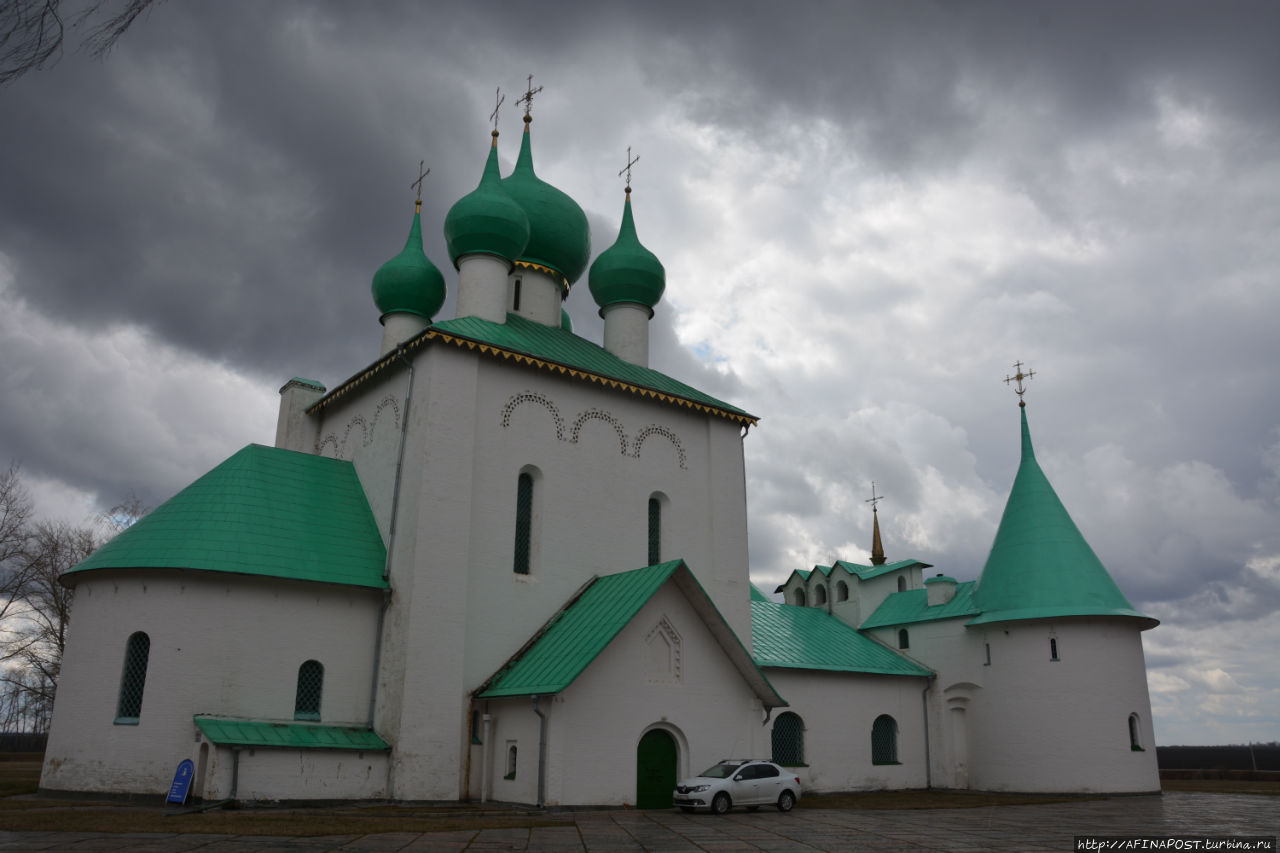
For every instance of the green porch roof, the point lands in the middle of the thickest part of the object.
(230, 731)
(912, 605)
(555, 349)
(1040, 566)
(575, 636)
(264, 511)
(810, 638)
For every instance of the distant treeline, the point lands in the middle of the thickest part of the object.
(1263, 757)
(22, 742)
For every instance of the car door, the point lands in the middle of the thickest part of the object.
(770, 783)
(746, 787)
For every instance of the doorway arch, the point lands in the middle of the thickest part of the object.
(657, 756)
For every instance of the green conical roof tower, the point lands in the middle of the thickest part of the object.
(409, 283)
(559, 236)
(627, 271)
(1040, 566)
(487, 220)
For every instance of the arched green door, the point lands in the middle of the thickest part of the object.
(655, 770)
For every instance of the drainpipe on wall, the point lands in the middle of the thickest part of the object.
(928, 761)
(486, 719)
(542, 752)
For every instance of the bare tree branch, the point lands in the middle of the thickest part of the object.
(32, 31)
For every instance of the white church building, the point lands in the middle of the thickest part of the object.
(503, 562)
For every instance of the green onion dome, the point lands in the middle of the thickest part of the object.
(627, 271)
(409, 283)
(560, 238)
(487, 220)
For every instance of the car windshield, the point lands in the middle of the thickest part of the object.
(723, 770)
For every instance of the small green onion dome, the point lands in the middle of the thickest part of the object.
(627, 271)
(409, 283)
(560, 238)
(487, 220)
(566, 322)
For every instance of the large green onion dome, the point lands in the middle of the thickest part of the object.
(487, 220)
(560, 238)
(409, 283)
(627, 271)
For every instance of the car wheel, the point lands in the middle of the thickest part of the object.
(720, 804)
(786, 801)
(686, 809)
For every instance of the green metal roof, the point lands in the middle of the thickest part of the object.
(912, 605)
(287, 735)
(866, 573)
(810, 638)
(1040, 566)
(564, 352)
(264, 511)
(757, 595)
(576, 635)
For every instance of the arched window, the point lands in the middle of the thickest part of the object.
(306, 705)
(1135, 734)
(904, 642)
(511, 761)
(820, 595)
(902, 583)
(798, 596)
(788, 740)
(842, 591)
(655, 531)
(524, 524)
(133, 679)
(884, 740)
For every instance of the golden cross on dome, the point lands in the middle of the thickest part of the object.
(874, 499)
(498, 98)
(417, 185)
(1019, 389)
(631, 161)
(527, 98)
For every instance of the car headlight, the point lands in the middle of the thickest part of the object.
(697, 789)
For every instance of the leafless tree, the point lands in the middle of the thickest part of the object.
(32, 31)
(15, 535)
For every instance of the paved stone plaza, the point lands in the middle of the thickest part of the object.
(1022, 828)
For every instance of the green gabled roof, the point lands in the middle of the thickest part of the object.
(912, 605)
(803, 573)
(811, 638)
(557, 350)
(866, 573)
(287, 735)
(264, 511)
(575, 636)
(1040, 566)
(757, 595)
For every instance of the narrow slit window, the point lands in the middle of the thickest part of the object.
(904, 641)
(1053, 648)
(655, 531)
(524, 524)
(133, 679)
(306, 704)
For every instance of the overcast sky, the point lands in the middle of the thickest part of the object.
(867, 213)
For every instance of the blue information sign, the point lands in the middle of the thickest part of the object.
(181, 781)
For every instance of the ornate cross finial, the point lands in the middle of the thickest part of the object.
(1019, 389)
(631, 161)
(527, 99)
(498, 98)
(874, 499)
(417, 185)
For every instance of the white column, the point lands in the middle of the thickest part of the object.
(482, 287)
(626, 331)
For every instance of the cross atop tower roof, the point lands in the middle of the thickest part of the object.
(1019, 389)
(527, 99)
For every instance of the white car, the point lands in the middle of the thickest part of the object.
(739, 782)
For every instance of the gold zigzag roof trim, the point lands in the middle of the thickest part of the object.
(429, 334)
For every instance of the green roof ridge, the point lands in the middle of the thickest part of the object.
(263, 511)
(1040, 565)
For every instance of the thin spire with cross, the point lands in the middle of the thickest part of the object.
(527, 99)
(631, 161)
(498, 98)
(1018, 376)
(877, 548)
(417, 185)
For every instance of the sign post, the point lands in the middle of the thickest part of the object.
(181, 782)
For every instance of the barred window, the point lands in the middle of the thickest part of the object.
(1053, 648)
(524, 523)
(310, 685)
(655, 531)
(133, 679)
(788, 740)
(884, 740)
